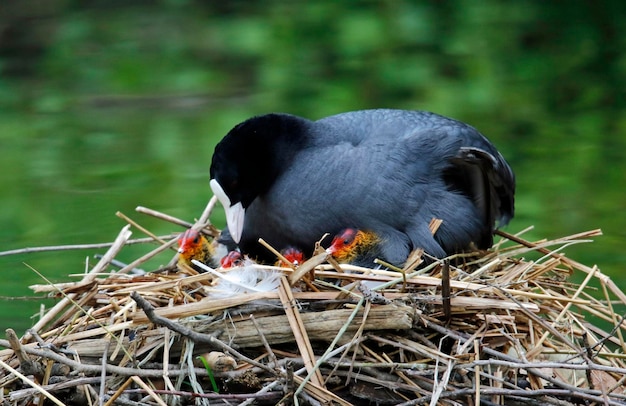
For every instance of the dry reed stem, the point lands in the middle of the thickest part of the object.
(139, 227)
(23, 394)
(117, 246)
(163, 216)
(266, 344)
(276, 253)
(202, 223)
(29, 382)
(148, 256)
(308, 266)
(299, 331)
(464, 286)
(149, 390)
(74, 247)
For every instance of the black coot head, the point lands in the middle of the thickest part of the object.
(248, 159)
(237, 158)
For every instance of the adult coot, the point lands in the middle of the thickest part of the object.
(289, 180)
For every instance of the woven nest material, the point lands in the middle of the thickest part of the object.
(489, 328)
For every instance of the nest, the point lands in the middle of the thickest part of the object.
(488, 327)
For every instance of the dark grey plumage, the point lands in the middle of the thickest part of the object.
(388, 171)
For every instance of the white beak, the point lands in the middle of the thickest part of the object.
(234, 213)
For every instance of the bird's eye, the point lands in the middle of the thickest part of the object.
(346, 241)
(196, 239)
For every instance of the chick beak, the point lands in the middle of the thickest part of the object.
(235, 213)
(182, 244)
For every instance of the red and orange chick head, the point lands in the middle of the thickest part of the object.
(194, 245)
(351, 244)
(293, 255)
(233, 258)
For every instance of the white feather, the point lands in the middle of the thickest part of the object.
(245, 279)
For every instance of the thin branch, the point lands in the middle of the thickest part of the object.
(28, 381)
(523, 393)
(21, 394)
(74, 247)
(266, 345)
(189, 333)
(589, 366)
(225, 396)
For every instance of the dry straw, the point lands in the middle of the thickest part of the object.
(505, 326)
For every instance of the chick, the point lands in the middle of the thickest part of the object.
(353, 246)
(194, 245)
(293, 255)
(232, 259)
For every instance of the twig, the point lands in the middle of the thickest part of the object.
(16, 346)
(299, 331)
(27, 381)
(358, 336)
(265, 391)
(605, 279)
(280, 256)
(139, 227)
(120, 265)
(549, 328)
(202, 224)
(524, 394)
(439, 386)
(307, 267)
(189, 333)
(148, 390)
(590, 366)
(270, 353)
(96, 369)
(73, 247)
(477, 370)
(117, 246)
(493, 353)
(204, 217)
(445, 290)
(537, 372)
(329, 351)
(103, 374)
(18, 395)
(119, 392)
(147, 256)
(260, 395)
(163, 216)
(386, 383)
(120, 241)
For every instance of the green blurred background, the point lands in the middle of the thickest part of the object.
(106, 105)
